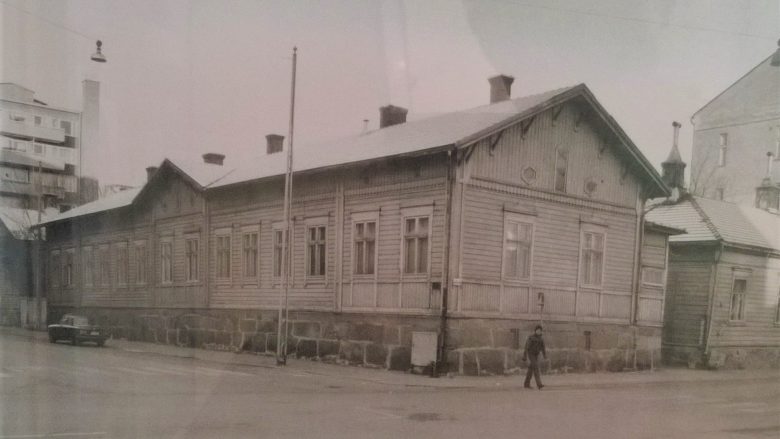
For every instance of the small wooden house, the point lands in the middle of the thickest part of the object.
(723, 304)
(473, 225)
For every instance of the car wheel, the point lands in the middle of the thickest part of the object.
(52, 339)
(101, 343)
(74, 340)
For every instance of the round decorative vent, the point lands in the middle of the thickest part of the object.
(529, 175)
(590, 186)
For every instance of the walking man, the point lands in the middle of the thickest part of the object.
(533, 347)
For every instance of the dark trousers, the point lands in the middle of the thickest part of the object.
(533, 369)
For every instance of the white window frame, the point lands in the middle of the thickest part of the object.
(87, 262)
(742, 312)
(122, 267)
(191, 273)
(416, 213)
(364, 218)
(279, 229)
(245, 232)
(595, 230)
(561, 151)
(221, 236)
(141, 262)
(166, 272)
(316, 223)
(511, 219)
(104, 259)
(68, 270)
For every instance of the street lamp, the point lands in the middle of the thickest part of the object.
(98, 55)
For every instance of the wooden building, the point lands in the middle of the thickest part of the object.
(474, 225)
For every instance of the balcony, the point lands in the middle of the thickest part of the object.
(23, 129)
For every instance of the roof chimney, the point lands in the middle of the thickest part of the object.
(674, 166)
(150, 170)
(776, 57)
(213, 158)
(391, 115)
(274, 143)
(500, 88)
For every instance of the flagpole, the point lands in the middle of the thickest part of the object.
(283, 328)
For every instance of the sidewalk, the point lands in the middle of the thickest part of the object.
(401, 379)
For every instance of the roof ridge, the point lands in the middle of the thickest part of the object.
(706, 218)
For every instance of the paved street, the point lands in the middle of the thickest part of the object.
(138, 390)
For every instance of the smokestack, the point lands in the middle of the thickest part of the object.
(150, 170)
(90, 122)
(391, 115)
(274, 143)
(500, 88)
(212, 158)
(674, 166)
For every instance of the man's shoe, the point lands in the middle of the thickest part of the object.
(527, 386)
(540, 386)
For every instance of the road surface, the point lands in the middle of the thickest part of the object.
(64, 391)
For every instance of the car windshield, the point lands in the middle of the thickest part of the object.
(80, 321)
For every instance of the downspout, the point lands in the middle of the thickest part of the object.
(442, 354)
(639, 241)
(206, 211)
(711, 301)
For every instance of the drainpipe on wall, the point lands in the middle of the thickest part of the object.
(442, 351)
(711, 305)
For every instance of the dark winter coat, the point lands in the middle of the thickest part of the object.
(534, 346)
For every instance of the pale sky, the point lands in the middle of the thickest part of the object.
(186, 77)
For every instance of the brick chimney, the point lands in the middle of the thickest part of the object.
(150, 170)
(391, 115)
(274, 143)
(212, 158)
(500, 88)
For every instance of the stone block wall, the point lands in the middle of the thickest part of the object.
(749, 357)
(495, 346)
(475, 346)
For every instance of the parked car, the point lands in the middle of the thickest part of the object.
(76, 329)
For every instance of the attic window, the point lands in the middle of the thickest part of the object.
(561, 168)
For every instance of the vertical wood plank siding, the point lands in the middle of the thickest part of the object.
(686, 304)
(650, 304)
(497, 181)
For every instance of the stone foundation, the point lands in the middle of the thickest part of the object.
(723, 357)
(475, 346)
(491, 347)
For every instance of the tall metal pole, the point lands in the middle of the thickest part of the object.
(282, 329)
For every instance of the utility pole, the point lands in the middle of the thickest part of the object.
(283, 327)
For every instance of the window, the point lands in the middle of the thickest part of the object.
(279, 237)
(724, 140)
(88, 264)
(122, 262)
(416, 236)
(652, 275)
(365, 247)
(249, 253)
(140, 262)
(38, 121)
(191, 255)
(166, 261)
(37, 149)
(223, 256)
(315, 250)
(561, 166)
(16, 117)
(67, 126)
(67, 268)
(518, 239)
(14, 174)
(592, 258)
(738, 290)
(105, 265)
(54, 268)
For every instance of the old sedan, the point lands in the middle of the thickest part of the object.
(76, 329)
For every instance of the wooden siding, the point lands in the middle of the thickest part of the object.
(590, 158)
(555, 256)
(759, 327)
(650, 302)
(687, 302)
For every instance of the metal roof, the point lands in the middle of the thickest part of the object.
(707, 220)
(18, 221)
(456, 129)
(113, 201)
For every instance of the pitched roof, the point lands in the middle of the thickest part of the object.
(18, 221)
(456, 129)
(113, 201)
(707, 220)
